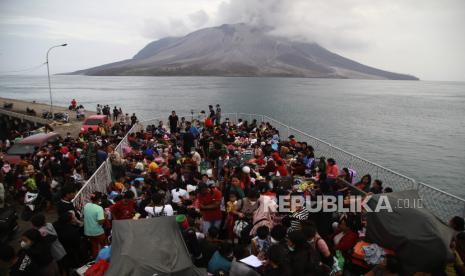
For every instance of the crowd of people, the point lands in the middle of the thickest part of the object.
(221, 179)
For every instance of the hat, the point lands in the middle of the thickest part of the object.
(209, 172)
(246, 169)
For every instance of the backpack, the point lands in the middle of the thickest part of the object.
(161, 213)
(239, 226)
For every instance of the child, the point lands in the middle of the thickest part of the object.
(261, 242)
(230, 215)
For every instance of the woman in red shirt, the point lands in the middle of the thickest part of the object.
(282, 167)
(345, 238)
(125, 208)
(332, 170)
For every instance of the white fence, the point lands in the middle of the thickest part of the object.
(442, 204)
(102, 177)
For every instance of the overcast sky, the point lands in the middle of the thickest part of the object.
(425, 38)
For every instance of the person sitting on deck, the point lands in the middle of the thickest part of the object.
(332, 171)
(221, 259)
(377, 187)
(124, 208)
(365, 183)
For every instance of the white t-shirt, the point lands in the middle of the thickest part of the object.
(177, 194)
(338, 238)
(155, 211)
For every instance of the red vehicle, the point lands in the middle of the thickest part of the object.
(28, 146)
(92, 122)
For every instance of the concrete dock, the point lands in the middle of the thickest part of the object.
(19, 111)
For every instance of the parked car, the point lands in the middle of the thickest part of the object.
(92, 122)
(28, 145)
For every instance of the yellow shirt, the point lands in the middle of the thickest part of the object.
(153, 166)
(229, 206)
(119, 185)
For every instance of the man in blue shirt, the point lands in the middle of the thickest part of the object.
(221, 259)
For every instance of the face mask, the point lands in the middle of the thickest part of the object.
(291, 248)
(252, 202)
(273, 241)
(24, 244)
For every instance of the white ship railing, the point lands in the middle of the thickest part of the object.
(444, 205)
(103, 176)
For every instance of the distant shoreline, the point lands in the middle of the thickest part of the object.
(238, 76)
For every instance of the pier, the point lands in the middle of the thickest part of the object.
(18, 114)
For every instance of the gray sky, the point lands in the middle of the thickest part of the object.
(425, 38)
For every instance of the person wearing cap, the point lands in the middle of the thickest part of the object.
(93, 221)
(209, 205)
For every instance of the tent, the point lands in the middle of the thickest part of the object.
(153, 246)
(421, 241)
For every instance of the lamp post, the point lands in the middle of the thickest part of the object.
(48, 74)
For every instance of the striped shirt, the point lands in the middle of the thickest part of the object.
(298, 217)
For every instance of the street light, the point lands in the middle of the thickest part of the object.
(48, 74)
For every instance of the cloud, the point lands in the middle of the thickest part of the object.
(156, 28)
(334, 24)
(159, 28)
(198, 18)
(422, 37)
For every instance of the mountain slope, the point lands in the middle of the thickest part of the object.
(238, 50)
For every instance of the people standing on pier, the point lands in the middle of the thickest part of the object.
(127, 119)
(173, 122)
(73, 104)
(133, 119)
(212, 112)
(201, 118)
(218, 115)
(115, 114)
